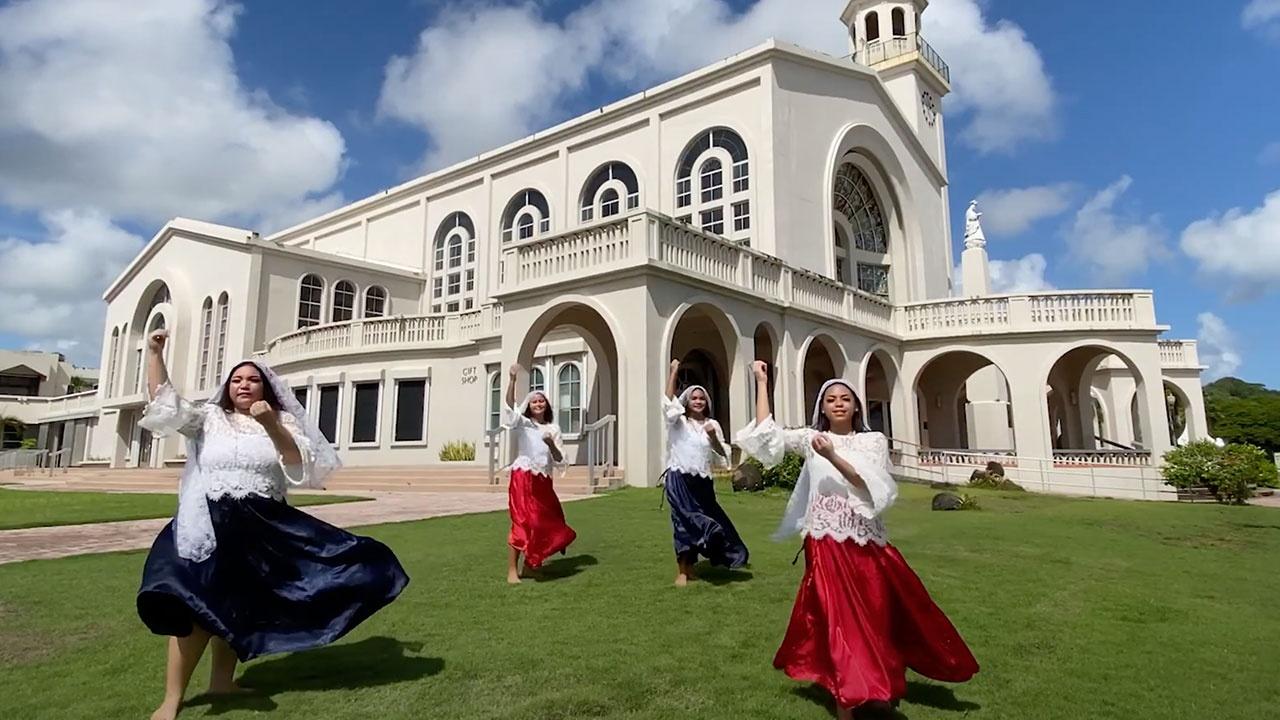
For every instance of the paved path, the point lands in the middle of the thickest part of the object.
(66, 540)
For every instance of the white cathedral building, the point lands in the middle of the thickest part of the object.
(781, 204)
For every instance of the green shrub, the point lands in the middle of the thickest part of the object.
(993, 481)
(1230, 472)
(29, 443)
(784, 474)
(968, 502)
(458, 452)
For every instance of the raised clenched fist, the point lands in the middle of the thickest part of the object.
(156, 340)
(262, 412)
(760, 370)
(822, 445)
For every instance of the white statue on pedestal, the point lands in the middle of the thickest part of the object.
(973, 235)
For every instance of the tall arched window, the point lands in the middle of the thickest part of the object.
(899, 22)
(865, 243)
(375, 302)
(344, 301)
(495, 401)
(310, 300)
(220, 349)
(873, 26)
(206, 343)
(714, 207)
(454, 282)
(526, 216)
(569, 409)
(537, 380)
(113, 362)
(604, 193)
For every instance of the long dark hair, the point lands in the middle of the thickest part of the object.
(824, 424)
(550, 414)
(268, 393)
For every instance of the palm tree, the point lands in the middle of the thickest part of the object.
(78, 384)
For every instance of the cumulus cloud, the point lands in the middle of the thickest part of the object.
(1216, 344)
(140, 114)
(1012, 211)
(1026, 274)
(1262, 15)
(52, 288)
(484, 74)
(1239, 249)
(1112, 243)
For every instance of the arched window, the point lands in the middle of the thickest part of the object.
(310, 299)
(526, 216)
(865, 243)
(899, 22)
(160, 295)
(454, 283)
(113, 361)
(537, 380)
(873, 27)
(713, 204)
(344, 301)
(569, 409)
(495, 401)
(603, 194)
(206, 343)
(375, 302)
(220, 349)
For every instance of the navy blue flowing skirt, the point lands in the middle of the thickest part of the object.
(279, 580)
(700, 525)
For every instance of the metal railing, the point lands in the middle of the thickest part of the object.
(496, 443)
(23, 459)
(600, 455)
(890, 48)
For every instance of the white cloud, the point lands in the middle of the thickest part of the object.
(140, 114)
(485, 74)
(1261, 14)
(1012, 211)
(1216, 344)
(52, 289)
(1240, 249)
(1026, 274)
(1113, 244)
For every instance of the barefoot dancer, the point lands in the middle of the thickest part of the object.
(861, 617)
(538, 528)
(700, 525)
(237, 568)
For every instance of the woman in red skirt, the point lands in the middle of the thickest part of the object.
(538, 529)
(862, 616)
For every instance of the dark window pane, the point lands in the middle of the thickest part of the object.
(364, 426)
(301, 395)
(329, 412)
(410, 400)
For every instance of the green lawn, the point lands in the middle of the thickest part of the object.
(36, 508)
(1075, 608)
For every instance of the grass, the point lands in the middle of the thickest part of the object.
(1075, 608)
(38, 508)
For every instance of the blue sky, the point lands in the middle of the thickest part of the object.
(1105, 140)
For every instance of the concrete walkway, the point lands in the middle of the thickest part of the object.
(63, 541)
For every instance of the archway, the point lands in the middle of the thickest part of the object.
(1075, 376)
(963, 401)
(766, 350)
(1181, 419)
(704, 339)
(880, 384)
(822, 360)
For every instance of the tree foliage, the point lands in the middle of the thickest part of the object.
(1230, 472)
(1242, 412)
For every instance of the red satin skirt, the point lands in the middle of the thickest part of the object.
(861, 618)
(538, 529)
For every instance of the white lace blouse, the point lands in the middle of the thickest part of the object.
(688, 445)
(824, 504)
(236, 456)
(532, 453)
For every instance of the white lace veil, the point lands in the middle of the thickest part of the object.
(816, 418)
(688, 392)
(193, 526)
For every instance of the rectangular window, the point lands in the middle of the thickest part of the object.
(455, 284)
(873, 279)
(471, 280)
(329, 412)
(741, 176)
(471, 251)
(587, 213)
(506, 236)
(684, 192)
(713, 221)
(435, 308)
(451, 307)
(686, 219)
(633, 201)
(470, 303)
(437, 287)
(609, 207)
(300, 394)
(544, 226)
(742, 216)
(495, 400)
(410, 404)
(439, 256)
(206, 337)
(364, 421)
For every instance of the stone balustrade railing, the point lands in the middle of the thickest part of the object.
(1179, 354)
(1028, 313)
(381, 334)
(31, 409)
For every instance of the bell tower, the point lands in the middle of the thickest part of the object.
(884, 35)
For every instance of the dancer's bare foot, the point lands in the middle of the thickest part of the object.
(168, 710)
(682, 580)
(513, 577)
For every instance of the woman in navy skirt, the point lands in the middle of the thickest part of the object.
(238, 569)
(700, 525)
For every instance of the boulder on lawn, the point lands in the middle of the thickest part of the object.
(995, 468)
(747, 478)
(947, 501)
